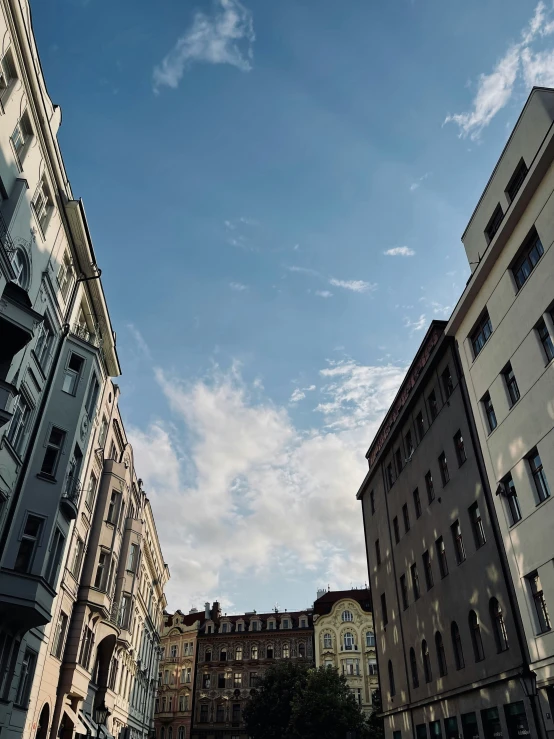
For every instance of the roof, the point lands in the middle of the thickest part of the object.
(325, 604)
(187, 619)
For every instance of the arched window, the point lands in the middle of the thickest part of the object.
(476, 640)
(208, 657)
(286, 651)
(348, 641)
(223, 655)
(170, 732)
(392, 687)
(441, 657)
(413, 666)
(238, 653)
(457, 646)
(370, 639)
(162, 732)
(254, 652)
(347, 616)
(426, 662)
(498, 625)
(301, 650)
(327, 641)
(181, 733)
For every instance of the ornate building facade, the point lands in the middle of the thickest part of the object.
(344, 639)
(233, 653)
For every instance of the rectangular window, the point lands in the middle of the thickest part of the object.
(377, 552)
(55, 558)
(26, 675)
(43, 204)
(203, 714)
(91, 491)
(112, 508)
(494, 223)
(29, 543)
(477, 526)
(384, 614)
(206, 681)
(92, 396)
(526, 262)
(433, 405)
(390, 476)
(435, 730)
(428, 569)
(420, 426)
(430, 487)
(72, 373)
(481, 334)
(77, 559)
(43, 346)
(415, 581)
(443, 466)
(546, 340)
(541, 483)
(513, 501)
(8, 75)
(100, 569)
(237, 680)
(409, 444)
(396, 529)
(447, 383)
(59, 635)
(404, 591)
(17, 431)
(511, 384)
(441, 557)
(406, 517)
(53, 452)
(539, 602)
(103, 432)
(417, 503)
(133, 559)
(458, 542)
(398, 459)
(459, 445)
(220, 713)
(253, 679)
(66, 275)
(372, 502)
(489, 412)
(512, 190)
(125, 613)
(21, 137)
(236, 713)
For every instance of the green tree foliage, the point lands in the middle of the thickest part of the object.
(297, 702)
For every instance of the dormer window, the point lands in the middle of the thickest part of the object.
(285, 623)
(240, 627)
(271, 625)
(224, 628)
(303, 623)
(255, 626)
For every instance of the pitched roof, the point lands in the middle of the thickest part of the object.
(326, 602)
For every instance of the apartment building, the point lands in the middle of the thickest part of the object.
(504, 329)
(233, 653)
(177, 673)
(449, 645)
(344, 639)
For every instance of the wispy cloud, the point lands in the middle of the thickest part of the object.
(304, 270)
(494, 90)
(238, 286)
(356, 286)
(414, 186)
(140, 341)
(324, 293)
(224, 37)
(400, 251)
(417, 325)
(300, 393)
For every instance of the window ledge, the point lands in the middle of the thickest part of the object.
(6, 443)
(546, 631)
(541, 502)
(47, 478)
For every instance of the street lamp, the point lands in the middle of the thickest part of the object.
(101, 714)
(529, 682)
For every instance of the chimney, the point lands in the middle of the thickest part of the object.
(216, 610)
(207, 610)
(320, 593)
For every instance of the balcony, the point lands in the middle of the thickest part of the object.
(25, 600)
(69, 503)
(7, 392)
(82, 331)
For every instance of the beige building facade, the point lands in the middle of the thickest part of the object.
(344, 639)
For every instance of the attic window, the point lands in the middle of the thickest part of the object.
(516, 181)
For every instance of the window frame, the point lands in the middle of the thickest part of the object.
(460, 448)
(35, 540)
(477, 525)
(540, 482)
(414, 576)
(430, 487)
(417, 503)
(404, 592)
(512, 387)
(545, 339)
(442, 559)
(428, 569)
(490, 413)
(516, 181)
(458, 541)
(532, 245)
(443, 468)
(513, 500)
(406, 517)
(494, 223)
(481, 333)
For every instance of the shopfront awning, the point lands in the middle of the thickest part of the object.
(78, 725)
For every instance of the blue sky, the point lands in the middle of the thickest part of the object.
(276, 193)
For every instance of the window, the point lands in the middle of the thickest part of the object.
(224, 628)
(409, 444)
(91, 491)
(398, 460)
(377, 551)
(72, 373)
(327, 641)
(513, 502)
(220, 713)
(238, 653)
(181, 733)
(435, 730)
(55, 558)
(530, 254)
(173, 651)
(269, 652)
(254, 652)
(53, 451)
(420, 426)
(494, 223)
(413, 667)
(457, 646)
(477, 642)
(285, 623)
(28, 545)
(103, 432)
(511, 384)
(223, 655)
(348, 641)
(347, 616)
(447, 384)
(428, 569)
(433, 405)
(441, 657)
(203, 714)
(87, 642)
(421, 731)
(515, 183)
(8, 74)
(21, 137)
(426, 662)
(390, 476)
(404, 591)
(100, 569)
(112, 508)
(206, 681)
(43, 346)
(441, 556)
(19, 423)
(443, 466)
(406, 517)
(384, 614)
(396, 529)
(92, 396)
(236, 713)
(481, 334)
(539, 603)
(415, 581)
(392, 687)
(498, 625)
(66, 275)
(77, 560)
(286, 651)
(458, 542)
(20, 266)
(271, 625)
(43, 204)
(371, 667)
(429, 486)
(417, 503)
(26, 675)
(372, 502)
(489, 412)
(546, 340)
(59, 635)
(255, 626)
(477, 526)
(541, 483)
(370, 639)
(460, 448)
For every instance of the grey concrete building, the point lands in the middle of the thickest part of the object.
(504, 329)
(449, 648)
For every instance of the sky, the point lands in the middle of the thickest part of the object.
(276, 193)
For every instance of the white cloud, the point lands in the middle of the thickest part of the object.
(303, 270)
(300, 393)
(414, 186)
(357, 286)
(400, 251)
(225, 37)
(417, 325)
(494, 90)
(139, 340)
(324, 293)
(254, 498)
(238, 286)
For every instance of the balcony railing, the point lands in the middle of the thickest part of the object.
(5, 236)
(114, 613)
(70, 496)
(85, 334)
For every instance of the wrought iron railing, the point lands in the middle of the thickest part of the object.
(85, 334)
(5, 236)
(72, 490)
(114, 613)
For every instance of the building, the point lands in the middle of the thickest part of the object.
(450, 651)
(344, 639)
(504, 329)
(102, 645)
(233, 653)
(177, 674)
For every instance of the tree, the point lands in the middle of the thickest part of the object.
(375, 724)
